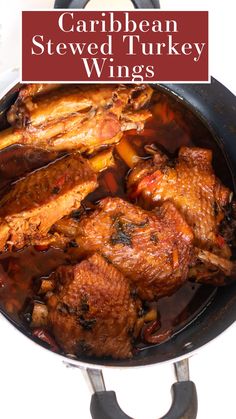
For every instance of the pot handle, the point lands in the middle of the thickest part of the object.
(104, 404)
(80, 4)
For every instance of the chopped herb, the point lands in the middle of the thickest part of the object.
(121, 234)
(55, 190)
(82, 347)
(141, 312)
(124, 229)
(215, 208)
(154, 238)
(132, 226)
(120, 237)
(73, 243)
(77, 214)
(64, 308)
(84, 305)
(134, 293)
(86, 324)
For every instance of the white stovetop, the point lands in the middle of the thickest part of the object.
(34, 383)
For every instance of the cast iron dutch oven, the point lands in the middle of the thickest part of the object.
(215, 106)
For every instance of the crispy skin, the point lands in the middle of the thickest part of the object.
(193, 188)
(92, 312)
(152, 249)
(76, 117)
(36, 202)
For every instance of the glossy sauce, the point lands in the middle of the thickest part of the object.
(171, 126)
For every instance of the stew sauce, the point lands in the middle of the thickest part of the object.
(171, 126)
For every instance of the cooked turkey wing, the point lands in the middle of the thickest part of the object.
(193, 188)
(76, 117)
(92, 311)
(83, 131)
(36, 202)
(45, 137)
(37, 110)
(153, 249)
(101, 128)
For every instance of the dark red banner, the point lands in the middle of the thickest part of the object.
(135, 46)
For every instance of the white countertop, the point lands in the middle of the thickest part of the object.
(34, 383)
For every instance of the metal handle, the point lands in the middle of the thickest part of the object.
(104, 404)
(80, 4)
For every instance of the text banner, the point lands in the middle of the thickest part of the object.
(135, 46)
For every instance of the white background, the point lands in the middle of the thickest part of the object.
(33, 382)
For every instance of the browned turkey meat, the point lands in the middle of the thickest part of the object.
(190, 184)
(152, 248)
(112, 225)
(75, 117)
(92, 312)
(36, 202)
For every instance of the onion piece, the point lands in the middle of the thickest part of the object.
(39, 316)
(46, 285)
(102, 160)
(127, 152)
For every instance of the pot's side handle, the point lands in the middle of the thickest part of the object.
(104, 404)
(184, 401)
(80, 4)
